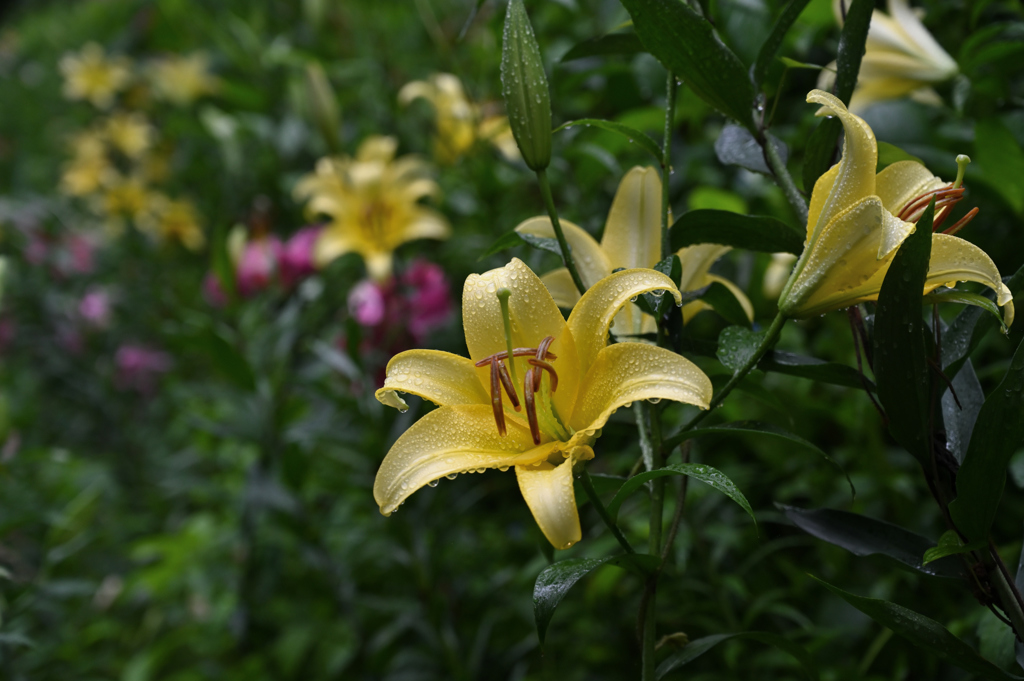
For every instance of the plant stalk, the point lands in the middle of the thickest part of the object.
(588, 487)
(549, 203)
(666, 162)
(1009, 597)
(784, 179)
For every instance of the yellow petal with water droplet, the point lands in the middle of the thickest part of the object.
(632, 234)
(696, 260)
(591, 262)
(954, 259)
(902, 181)
(441, 377)
(628, 372)
(561, 287)
(855, 177)
(451, 440)
(591, 318)
(534, 316)
(548, 492)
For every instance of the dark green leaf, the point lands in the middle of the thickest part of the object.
(959, 413)
(821, 151)
(614, 43)
(772, 44)
(469, 20)
(686, 44)
(698, 471)
(949, 545)
(901, 369)
(756, 428)
(814, 369)
(513, 239)
(1001, 161)
(970, 326)
(725, 303)
(890, 153)
(737, 345)
(965, 298)
(227, 359)
(865, 536)
(641, 139)
(555, 581)
(657, 305)
(749, 232)
(737, 147)
(851, 47)
(695, 649)
(923, 632)
(997, 435)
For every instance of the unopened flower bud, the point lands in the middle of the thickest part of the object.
(525, 88)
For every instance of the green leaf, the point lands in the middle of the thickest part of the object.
(749, 232)
(901, 368)
(863, 536)
(686, 44)
(658, 305)
(959, 414)
(1001, 161)
(737, 147)
(641, 139)
(555, 581)
(613, 43)
(923, 632)
(970, 326)
(737, 345)
(695, 649)
(949, 545)
(698, 471)
(725, 303)
(513, 239)
(815, 369)
(965, 298)
(757, 428)
(851, 47)
(227, 359)
(787, 17)
(997, 434)
(821, 151)
(890, 153)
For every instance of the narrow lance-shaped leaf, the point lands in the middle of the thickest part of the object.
(772, 44)
(695, 649)
(641, 139)
(749, 232)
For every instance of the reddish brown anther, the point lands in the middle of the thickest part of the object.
(537, 374)
(499, 412)
(962, 222)
(506, 382)
(500, 380)
(531, 405)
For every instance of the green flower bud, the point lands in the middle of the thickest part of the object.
(322, 104)
(525, 88)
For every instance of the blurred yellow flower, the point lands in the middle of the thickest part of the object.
(460, 122)
(129, 133)
(632, 238)
(777, 273)
(176, 220)
(857, 221)
(125, 199)
(181, 79)
(901, 58)
(515, 331)
(89, 74)
(89, 168)
(372, 202)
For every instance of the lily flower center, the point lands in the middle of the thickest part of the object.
(945, 199)
(539, 361)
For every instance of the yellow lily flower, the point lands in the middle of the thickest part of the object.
(181, 79)
(632, 238)
(373, 204)
(562, 384)
(130, 133)
(178, 220)
(901, 58)
(89, 168)
(460, 122)
(90, 75)
(857, 220)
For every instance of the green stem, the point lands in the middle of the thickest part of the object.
(784, 179)
(549, 202)
(1009, 597)
(650, 436)
(666, 162)
(588, 487)
(766, 343)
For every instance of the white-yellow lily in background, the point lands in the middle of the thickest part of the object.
(182, 79)
(373, 203)
(632, 238)
(538, 412)
(857, 220)
(460, 122)
(90, 74)
(901, 58)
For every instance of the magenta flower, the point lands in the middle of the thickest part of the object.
(94, 308)
(428, 298)
(258, 264)
(213, 292)
(368, 302)
(139, 367)
(297, 258)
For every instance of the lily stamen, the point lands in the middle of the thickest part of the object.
(506, 382)
(502, 379)
(947, 196)
(962, 222)
(518, 352)
(537, 375)
(531, 405)
(499, 411)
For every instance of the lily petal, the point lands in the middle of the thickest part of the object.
(954, 259)
(561, 287)
(534, 316)
(377, 148)
(425, 224)
(855, 177)
(922, 41)
(696, 261)
(632, 234)
(331, 244)
(902, 181)
(441, 377)
(627, 372)
(590, 320)
(549, 493)
(591, 262)
(448, 441)
(735, 290)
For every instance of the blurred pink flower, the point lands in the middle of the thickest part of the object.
(213, 292)
(258, 264)
(297, 261)
(80, 250)
(368, 302)
(428, 298)
(139, 367)
(94, 308)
